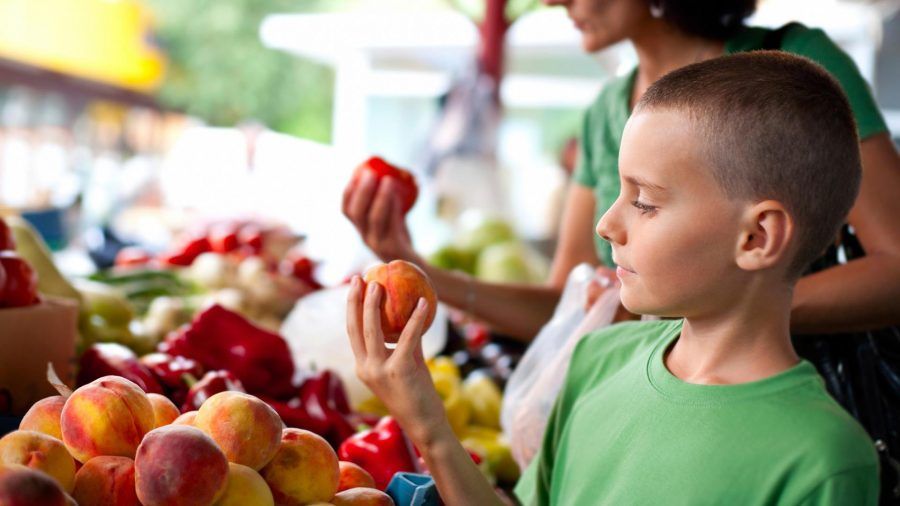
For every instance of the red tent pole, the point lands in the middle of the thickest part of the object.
(493, 33)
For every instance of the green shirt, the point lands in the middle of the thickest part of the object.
(604, 122)
(624, 431)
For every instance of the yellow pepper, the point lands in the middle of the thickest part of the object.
(492, 444)
(484, 398)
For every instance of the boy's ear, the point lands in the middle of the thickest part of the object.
(767, 230)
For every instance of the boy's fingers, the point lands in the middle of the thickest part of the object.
(374, 338)
(354, 319)
(411, 338)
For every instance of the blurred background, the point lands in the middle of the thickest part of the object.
(125, 121)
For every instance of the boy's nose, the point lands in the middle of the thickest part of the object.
(609, 229)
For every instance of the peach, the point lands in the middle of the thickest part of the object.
(353, 476)
(108, 416)
(22, 486)
(361, 496)
(106, 480)
(404, 283)
(164, 411)
(245, 488)
(247, 429)
(185, 418)
(304, 469)
(177, 464)
(43, 416)
(39, 451)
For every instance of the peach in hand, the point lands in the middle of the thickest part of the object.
(353, 476)
(404, 283)
(106, 480)
(245, 488)
(21, 486)
(177, 464)
(304, 469)
(43, 416)
(108, 416)
(247, 429)
(39, 451)
(362, 497)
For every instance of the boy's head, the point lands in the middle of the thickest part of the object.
(758, 149)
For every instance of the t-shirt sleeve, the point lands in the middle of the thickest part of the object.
(857, 486)
(817, 46)
(583, 174)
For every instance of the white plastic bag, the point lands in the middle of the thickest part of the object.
(316, 332)
(533, 387)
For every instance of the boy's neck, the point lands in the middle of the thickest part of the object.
(750, 342)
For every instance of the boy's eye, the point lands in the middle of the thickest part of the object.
(644, 208)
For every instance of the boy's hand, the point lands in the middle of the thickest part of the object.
(398, 377)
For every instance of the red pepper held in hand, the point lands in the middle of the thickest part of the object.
(106, 359)
(222, 339)
(212, 383)
(382, 451)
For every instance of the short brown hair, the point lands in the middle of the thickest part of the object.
(777, 127)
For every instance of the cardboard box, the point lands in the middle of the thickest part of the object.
(30, 337)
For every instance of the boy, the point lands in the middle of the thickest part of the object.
(736, 173)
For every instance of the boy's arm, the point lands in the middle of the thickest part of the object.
(401, 380)
(864, 293)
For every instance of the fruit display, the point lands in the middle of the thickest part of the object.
(186, 392)
(488, 248)
(115, 449)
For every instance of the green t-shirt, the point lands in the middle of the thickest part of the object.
(624, 430)
(604, 121)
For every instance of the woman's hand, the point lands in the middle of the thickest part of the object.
(398, 377)
(375, 210)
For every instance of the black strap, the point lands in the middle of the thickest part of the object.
(773, 39)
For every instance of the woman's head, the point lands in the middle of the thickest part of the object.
(606, 22)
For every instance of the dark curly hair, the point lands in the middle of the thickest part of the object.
(711, 19)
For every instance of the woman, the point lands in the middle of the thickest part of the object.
(668, 34)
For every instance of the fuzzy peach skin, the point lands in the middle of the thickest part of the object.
(43, 416)
(304, 469)
(23, 486)
(353, 476)
(108, 416)
(178, 464)
(404, 283)
(247, 429)
(245, 488)
(106, 480)
(39, 451)
(362, 497)
(164, 412)
(185, 418)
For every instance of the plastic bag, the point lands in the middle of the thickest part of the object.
(316, 331)
(534, 385)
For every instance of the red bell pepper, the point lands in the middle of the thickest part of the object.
(222, 339)
(294, 414)
(171, 371)
(185, 254)
(300, 267)
(407, 189)
(382, 451)
(323, 395)
(212, 383)
(106, 359)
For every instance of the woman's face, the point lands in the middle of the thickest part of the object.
(602, 23)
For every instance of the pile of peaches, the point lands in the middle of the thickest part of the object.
(109, 443)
